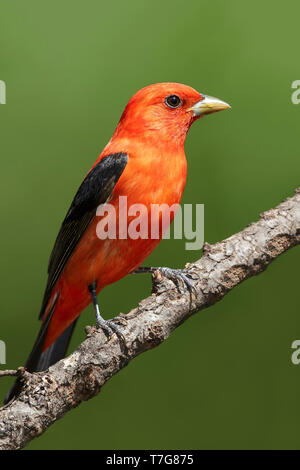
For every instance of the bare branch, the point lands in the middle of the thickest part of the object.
(47, 396)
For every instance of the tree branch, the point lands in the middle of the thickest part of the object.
(47, 396)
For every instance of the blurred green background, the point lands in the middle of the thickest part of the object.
(224, 379)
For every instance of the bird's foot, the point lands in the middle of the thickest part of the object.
(180, 277)
(109, 327)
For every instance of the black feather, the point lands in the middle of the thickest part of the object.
(95, 189)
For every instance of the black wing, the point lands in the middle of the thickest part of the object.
(94, 190)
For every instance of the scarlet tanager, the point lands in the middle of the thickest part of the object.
(144, 161)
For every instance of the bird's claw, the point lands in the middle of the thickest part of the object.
(179, 277)
(109, 327)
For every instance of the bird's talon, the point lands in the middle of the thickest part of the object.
(109, 327)
(103, 326)
(179, 277)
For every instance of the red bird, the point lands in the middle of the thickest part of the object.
(144, 161)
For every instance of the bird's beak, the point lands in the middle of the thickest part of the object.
(208, 105)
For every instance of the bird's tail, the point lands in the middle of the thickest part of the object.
(40, 360)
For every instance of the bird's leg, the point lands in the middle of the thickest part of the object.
(107, 325)
(175, 275)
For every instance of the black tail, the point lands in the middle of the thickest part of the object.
(38, 360)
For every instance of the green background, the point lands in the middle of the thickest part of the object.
(224, 379)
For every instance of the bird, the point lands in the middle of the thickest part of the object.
(145, 162)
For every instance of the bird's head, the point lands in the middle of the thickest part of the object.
(165, 111)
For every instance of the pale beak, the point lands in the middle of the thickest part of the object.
(208, 105)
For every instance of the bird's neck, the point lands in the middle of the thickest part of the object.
(153, 133)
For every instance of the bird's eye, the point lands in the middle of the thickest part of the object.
(173, 101)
